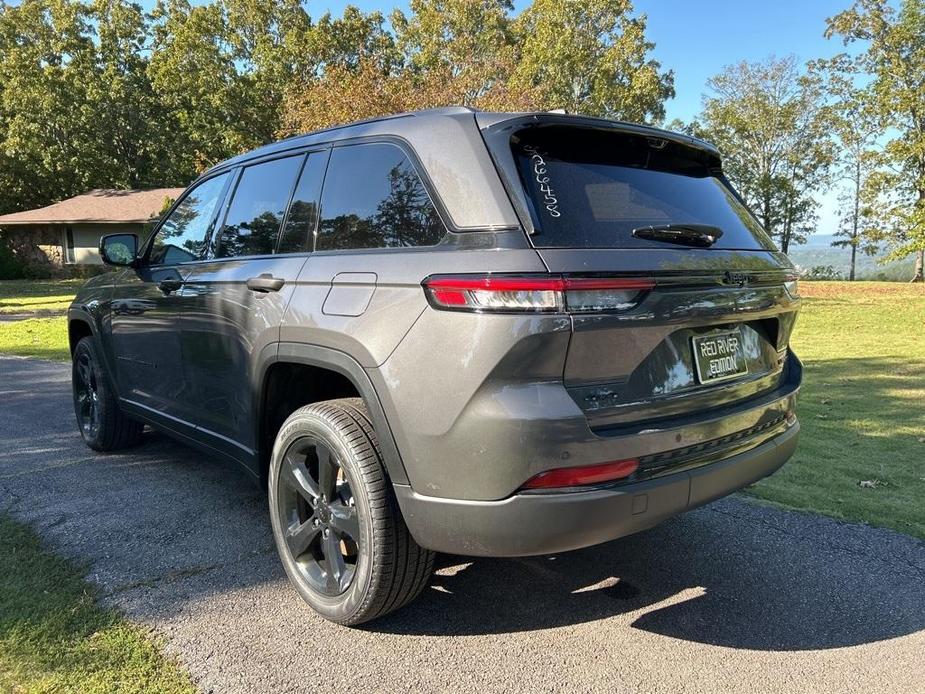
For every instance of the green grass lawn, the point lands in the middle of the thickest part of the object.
(44, 335)
(55, 638)
(862, 406)
(45, 338)
(37, 297)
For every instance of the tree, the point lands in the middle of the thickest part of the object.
(99, 93)
(591, 57)
(443, 52)
(856, 131)
(472, 52)
(355, 61)
(133, 132)
(193, 71)
(49, 145)
(768, 121)
(893, 60)
(465, 44)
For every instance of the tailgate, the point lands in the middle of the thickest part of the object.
(640, 365)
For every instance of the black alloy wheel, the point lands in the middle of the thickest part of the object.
(319, 516)
(101, 422)
(336, 522)
(86, 396)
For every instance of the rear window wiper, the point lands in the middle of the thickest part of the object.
(701, 235)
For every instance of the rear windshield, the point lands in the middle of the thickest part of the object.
(590, 188)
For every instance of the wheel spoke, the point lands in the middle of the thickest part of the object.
(83, 370)
(345, 520)
(94, 413)
(295, 475)
(300, 535)
(327, 472)
(336, 567)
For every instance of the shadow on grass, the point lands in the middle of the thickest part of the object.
(862, 420)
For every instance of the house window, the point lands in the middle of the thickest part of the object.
(69, 256)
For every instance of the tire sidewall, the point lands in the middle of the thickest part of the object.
(340, 608)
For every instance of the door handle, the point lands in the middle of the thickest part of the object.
(265, 283)
(168, 286)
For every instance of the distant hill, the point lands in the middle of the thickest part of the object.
(819, 251)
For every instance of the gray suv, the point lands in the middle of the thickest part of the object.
(480, 333)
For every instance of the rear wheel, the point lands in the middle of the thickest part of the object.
(336, 523)
(103, 426)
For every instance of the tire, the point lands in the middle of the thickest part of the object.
(102, 425)
(327, 484)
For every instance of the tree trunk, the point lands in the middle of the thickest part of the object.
(854, 221)
(919, 274)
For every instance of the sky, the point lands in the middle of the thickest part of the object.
(697, 38)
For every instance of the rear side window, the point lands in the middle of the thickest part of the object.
(257, 208)
(299, 234)
(374, 198)
(590, 188)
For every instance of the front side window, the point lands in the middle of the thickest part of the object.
(256, 212)
(374, 198)
(183, 235)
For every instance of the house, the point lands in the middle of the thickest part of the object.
(68, 232)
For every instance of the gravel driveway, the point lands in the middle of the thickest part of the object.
(732, 597)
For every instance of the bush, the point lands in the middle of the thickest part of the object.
(10, 267)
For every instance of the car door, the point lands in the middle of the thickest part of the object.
(359, 292)
(146, 303)
(237, 295)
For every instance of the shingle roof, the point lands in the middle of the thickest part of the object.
(102, 206)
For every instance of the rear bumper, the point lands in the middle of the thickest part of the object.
(526, 524)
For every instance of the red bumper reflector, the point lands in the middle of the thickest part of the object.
(579, 476)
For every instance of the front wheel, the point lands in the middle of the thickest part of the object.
(103, 426)
(336, 523)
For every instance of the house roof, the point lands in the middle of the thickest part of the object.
(101, 206)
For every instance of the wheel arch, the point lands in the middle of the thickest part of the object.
(78, 327)
(343, 366)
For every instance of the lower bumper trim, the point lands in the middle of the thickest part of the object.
(529, 524)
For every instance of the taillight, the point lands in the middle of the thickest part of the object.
(581, 476)
(534, 293)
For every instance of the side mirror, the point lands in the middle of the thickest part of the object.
(119, 249)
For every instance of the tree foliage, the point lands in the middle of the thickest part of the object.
(769, 122)
(855, 130)
(100, 93)
(892, 61)
(591, 57)
(588, 57)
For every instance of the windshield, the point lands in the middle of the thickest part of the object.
(590, 188)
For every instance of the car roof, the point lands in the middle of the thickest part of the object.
(448, 144)
(425, 118)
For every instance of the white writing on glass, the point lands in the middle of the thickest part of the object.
(539, 172)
